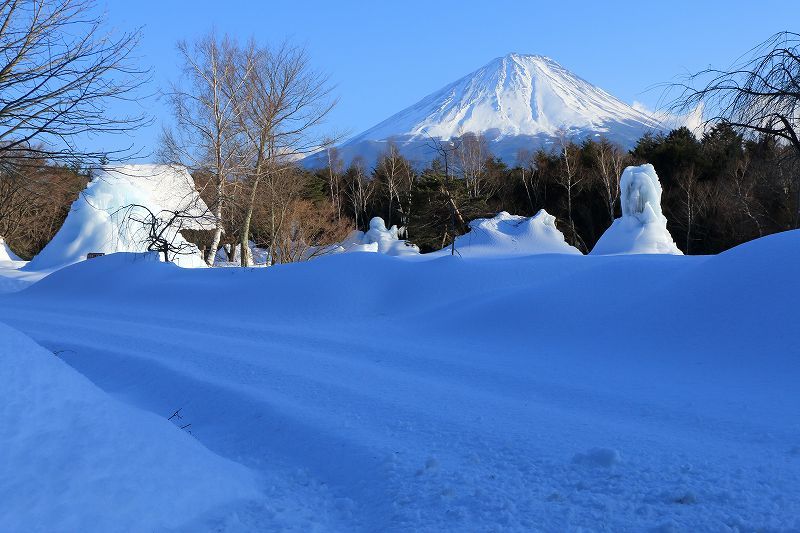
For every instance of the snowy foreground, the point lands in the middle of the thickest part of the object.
(361, 392)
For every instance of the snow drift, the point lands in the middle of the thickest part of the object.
(74, 459)
(509, 235)
(642, 229)
(101, 221)
(548, 392)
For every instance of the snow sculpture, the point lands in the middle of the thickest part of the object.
(506, 234)
(378, 239)
(642, 229)
(640, 192)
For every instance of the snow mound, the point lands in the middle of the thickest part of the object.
(5, 252)
(74, 459)
(378, 239)
(642, 229)
(510, 235)
(100, 220)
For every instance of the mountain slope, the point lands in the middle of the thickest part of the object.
(516, 101)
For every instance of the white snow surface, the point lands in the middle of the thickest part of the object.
(508, 235)
(551, 392)
(74, 459)
(518, 100)
(11, 277)
(6, 254)
(642, 229)
(100, 222)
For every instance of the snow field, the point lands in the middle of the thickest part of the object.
(548, 393)
(74, 459)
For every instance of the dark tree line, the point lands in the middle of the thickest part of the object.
(34, 201)
(723, 190)
(719, 190)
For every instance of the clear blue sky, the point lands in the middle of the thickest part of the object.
(384, 56)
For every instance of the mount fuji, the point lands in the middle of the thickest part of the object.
(516, 101)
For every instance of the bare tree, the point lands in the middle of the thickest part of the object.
(758, 94)
(610, 161)
(311, 231)
(207, 119)
(283, 102)
(283, 188)
(160, 231)
(527, 166)
(394, 170)
(470, 159)
(694, 200)
(334, 176)
(446, 151)
(744, 192)
(58, 71)
(34, 200)
(359, 191)
(569, 179)
(405, 204)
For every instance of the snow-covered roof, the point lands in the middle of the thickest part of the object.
(170, 187)
(100, 220)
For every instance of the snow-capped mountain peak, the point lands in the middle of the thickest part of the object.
(511, 95)
(516, 101)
